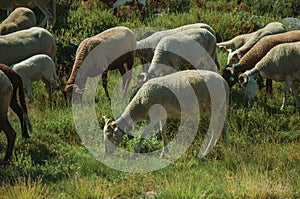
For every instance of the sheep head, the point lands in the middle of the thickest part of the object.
(249, 84)
(113, 135)
(228, 76)
(233, 57)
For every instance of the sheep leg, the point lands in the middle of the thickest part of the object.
(295, 93)
(43, 7)
(49, 89)
(163, 134)
(11, 137)
(144, 135)
(287, 86)
(122, 71)
(144, 65)
(18, 110)
(104, 83)
(30, 93)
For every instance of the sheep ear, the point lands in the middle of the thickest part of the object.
(142, 78)
(69, 88)
(239, 55)
(243, 80)
(112, 125)
(106, 119)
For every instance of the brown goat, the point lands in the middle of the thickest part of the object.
(6, 92)
(21, 111)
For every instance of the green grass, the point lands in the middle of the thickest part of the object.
(262, 159)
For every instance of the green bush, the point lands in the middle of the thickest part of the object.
(278, 8)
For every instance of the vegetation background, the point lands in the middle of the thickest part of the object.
(261, 161)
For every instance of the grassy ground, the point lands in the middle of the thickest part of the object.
(262, 159)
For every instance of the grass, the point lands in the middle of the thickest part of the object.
(262, 159)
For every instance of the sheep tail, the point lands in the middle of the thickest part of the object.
(24, 107)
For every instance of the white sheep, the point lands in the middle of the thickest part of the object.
(281, 63)
(6, 92)
(235, 42)
(146, 47)
(189, 49)
(49, 18)
(183, 94)
(256, 53)
(21, 18)
(269, 29)
(20, 45)
(111, 49)
(36, 68)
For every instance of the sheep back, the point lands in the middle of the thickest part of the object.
(182, 51)
(109, 45)
(21, 18)
(145, 47)
(269, 29)
(161, 91)
(263, 46)
(23, 44)
(282, 61)
(35, 68)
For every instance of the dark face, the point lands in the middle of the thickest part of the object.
(228, 75)
(112, 137)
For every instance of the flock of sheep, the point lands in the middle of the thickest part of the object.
(28, 53)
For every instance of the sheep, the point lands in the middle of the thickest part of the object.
(281, 63)
(173, 96)
(20, 45)
(35, 68)
(256, 53)
(21, 111)
(21, 18)
(6, 92)
(235, 42)
(269, 29)
(146, 47)
(188, 49)
(49, 18)
(112, 49)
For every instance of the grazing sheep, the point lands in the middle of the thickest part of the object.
(20, 19)
(49, 18)
(21, 111)
(146, 47)
(269, 29)
(178, 94)
(110, 50)
(6, 92)
(235, 42)
(281, 63)
(188, 49)
(35, 68)
(20, 45)
(256, 53)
